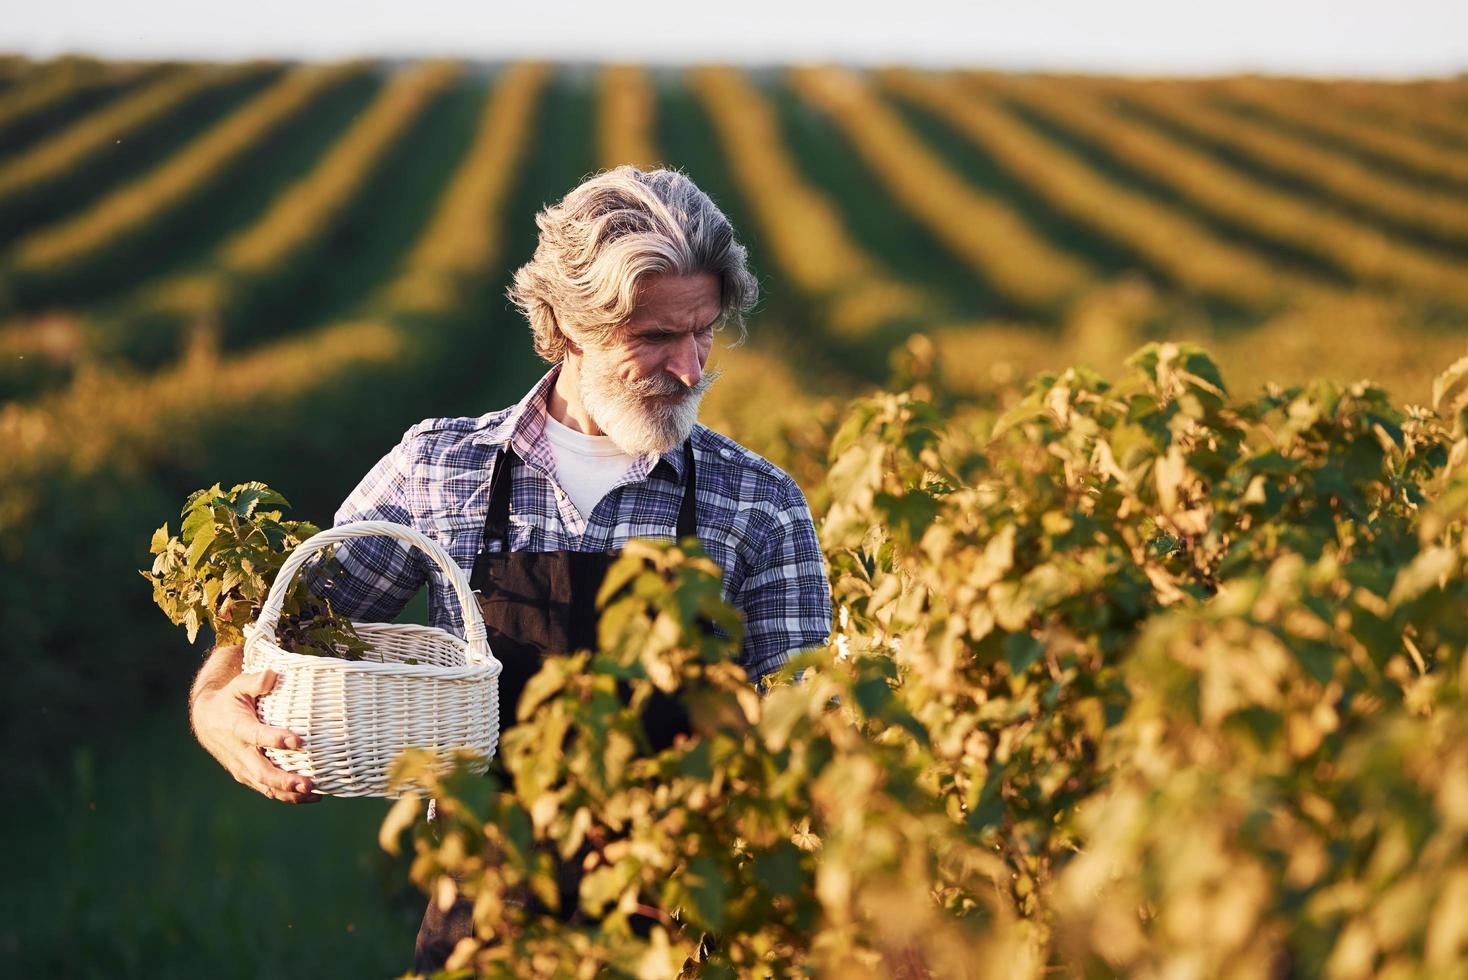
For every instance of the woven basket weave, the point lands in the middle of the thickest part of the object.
(356, 716)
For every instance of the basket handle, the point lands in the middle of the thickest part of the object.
(474, 632)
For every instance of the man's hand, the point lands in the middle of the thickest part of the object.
(223, 715)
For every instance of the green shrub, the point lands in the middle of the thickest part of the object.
(1131, 677)
(220, 568)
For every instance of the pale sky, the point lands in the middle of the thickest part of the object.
(1389, 38)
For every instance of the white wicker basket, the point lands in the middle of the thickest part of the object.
(356, 716)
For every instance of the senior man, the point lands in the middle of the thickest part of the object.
(633, 273)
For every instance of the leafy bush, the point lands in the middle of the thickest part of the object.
(219, 570)
(1130, 677)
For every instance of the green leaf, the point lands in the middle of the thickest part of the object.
(204, 536)
(705, 891)
(194, 521)
(857, 419)
(911, 512)
(402, 816)
(201, 499)
(778, 869)
(1022, 651)
(1272, 463)
(233, 575)
(211, 592)
(1318, 659)
(988, 807)
(276, 534)
(871, 695)
(250, 496)
(1025, 411)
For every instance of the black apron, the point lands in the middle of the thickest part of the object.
(535, 604)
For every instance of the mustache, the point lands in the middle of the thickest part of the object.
(665, 386)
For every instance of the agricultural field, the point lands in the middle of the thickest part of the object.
(267, 270)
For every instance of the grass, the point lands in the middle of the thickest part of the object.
(141, 856)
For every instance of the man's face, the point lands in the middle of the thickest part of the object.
(643, 387)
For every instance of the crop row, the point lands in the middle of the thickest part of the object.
(129, 208)
(53, 85)
(984, 230)
(1395, 200)
(13, 67)
(76, 145)
(624, 118)
(309, 208)
(107, 418)
(1357, 250)
(464, 238)
(1169, 240)
(1407, 106)
(801, 225)
(852, 288)
(1302, 112)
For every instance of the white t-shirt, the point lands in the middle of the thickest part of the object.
(587, 466)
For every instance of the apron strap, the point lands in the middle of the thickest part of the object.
(688, 510)
(497, 520)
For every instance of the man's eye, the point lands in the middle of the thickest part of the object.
(672, 336)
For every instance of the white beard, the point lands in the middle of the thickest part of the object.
(627, 413)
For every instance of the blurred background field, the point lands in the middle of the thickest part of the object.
(218, 272)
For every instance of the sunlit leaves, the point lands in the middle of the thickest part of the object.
(219, 570)
(1132, 677)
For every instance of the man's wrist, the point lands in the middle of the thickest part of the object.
(221, 665)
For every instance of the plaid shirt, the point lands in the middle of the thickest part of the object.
(753, 521)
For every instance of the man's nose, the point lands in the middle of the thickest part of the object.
(685, 364)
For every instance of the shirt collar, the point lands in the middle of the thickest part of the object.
(524, 429)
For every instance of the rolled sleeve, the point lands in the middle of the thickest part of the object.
(786, 597)
(379, 574)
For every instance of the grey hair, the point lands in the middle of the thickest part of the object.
(609, 233)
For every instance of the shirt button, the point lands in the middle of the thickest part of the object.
(725, 453)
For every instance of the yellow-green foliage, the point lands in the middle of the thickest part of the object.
(1133, 677)
(219, 569)
(119, 419)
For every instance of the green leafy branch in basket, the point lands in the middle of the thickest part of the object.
(219, 569)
